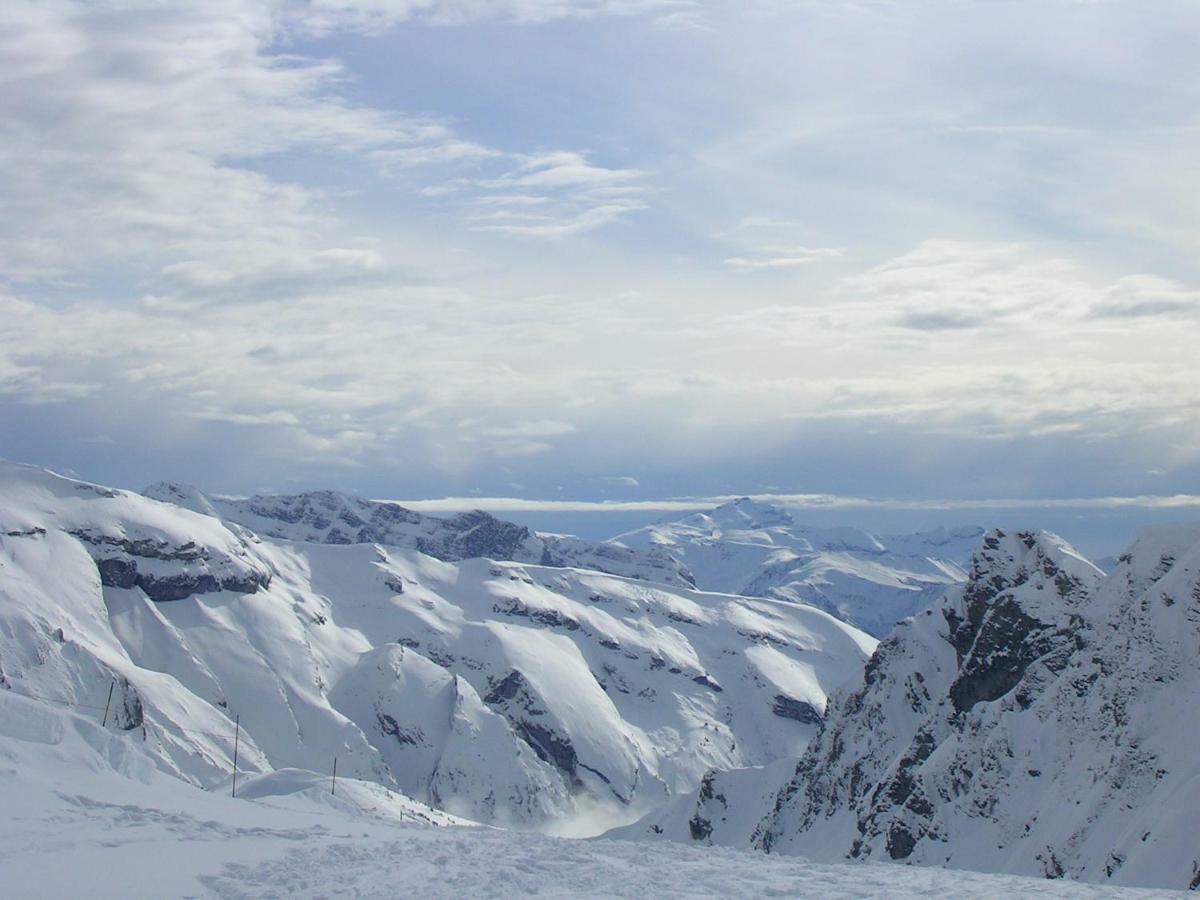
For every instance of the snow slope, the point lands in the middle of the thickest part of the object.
(1039, 720)
(89, 813)
(504, 692)
(328, 517)
(755, 549)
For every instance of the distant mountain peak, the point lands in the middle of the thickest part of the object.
(751, 513)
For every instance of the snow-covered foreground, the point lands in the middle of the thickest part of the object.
(87, 813)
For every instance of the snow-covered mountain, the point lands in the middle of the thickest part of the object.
(1038, 720)
(327, 517)
(501, 691)
(758, 550)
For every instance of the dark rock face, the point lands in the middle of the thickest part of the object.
(126, 711)
(513, 698)
(198, 573)
(389, 726)
(476, 534)
(915, 743)
(999, 639)
(549, 617)
(800, 710)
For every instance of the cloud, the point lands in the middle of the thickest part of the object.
(556, 195)
(768, 244)
(953, 285)
(377, 15)
(145, 134)
(796, 501)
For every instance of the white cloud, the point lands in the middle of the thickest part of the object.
(143, 134)
(767, 244)
(795, 501)
(556, 195)
(376, 15)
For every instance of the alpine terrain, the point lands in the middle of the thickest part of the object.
(759, 550)
(1038, 719)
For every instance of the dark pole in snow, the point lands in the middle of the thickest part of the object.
(333, 787)
(111, 685)
(237, 730)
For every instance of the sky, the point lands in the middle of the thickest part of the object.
(933, 254)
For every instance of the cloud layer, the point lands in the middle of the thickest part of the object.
(423, 246)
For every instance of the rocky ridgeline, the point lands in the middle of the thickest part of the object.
(328, 517)
(1037, 720)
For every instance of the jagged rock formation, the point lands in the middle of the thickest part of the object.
(328, 517)
(758, 550)
(1038, 720)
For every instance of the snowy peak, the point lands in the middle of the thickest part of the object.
(1037, 720)
(752, 548)
(745, 513)
(1019, 606)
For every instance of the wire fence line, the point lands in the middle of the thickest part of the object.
(77, 705)
(8, 687)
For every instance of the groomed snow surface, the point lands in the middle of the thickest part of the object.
(86, 813)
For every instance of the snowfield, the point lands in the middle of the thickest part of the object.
(88, 813)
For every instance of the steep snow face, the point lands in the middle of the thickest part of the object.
(327, 517)
(505, 692)
(1039, 721)
(756, 549)
(892, 771)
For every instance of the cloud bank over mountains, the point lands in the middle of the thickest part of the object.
(424, 248)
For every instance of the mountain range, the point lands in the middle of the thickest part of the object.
(1038, 719)
(756, 549)
(697, 682)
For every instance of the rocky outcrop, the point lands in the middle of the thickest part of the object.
(1036, 721)
(166, 571)
(894, 754)
(328, 517)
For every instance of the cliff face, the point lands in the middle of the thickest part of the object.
(1037, 720)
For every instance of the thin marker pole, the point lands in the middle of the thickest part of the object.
(111, 685)
(237, 730)
(333, 787)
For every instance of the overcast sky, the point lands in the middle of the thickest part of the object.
(605, 249)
